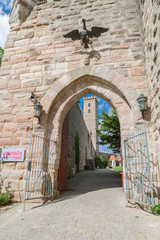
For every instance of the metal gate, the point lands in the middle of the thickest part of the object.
(40, 168)
(137, 168)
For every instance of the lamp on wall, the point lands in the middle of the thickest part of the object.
(37, 107)
(142, 101)
(38, 111)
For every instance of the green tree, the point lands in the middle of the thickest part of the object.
(101, 161)
(1, 55)
(109, 131)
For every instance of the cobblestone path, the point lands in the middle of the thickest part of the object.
(93, 208)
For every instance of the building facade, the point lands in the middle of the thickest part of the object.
(91, 119)
(121, 64)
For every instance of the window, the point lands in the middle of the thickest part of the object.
(89, 104)
(89, 110)
(91, 134)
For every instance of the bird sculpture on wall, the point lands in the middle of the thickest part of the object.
(85, 34)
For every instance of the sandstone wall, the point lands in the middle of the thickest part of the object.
(37, 54)
(150, 13)
(78, 126)
(12, 175)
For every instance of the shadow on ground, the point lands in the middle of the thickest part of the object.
(89, 181)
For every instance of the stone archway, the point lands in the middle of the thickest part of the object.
(99, 81)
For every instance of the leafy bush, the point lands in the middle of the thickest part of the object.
(5, 198)
(156, 209)
(101, 162)
(1, 55)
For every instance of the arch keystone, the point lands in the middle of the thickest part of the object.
(80, 72)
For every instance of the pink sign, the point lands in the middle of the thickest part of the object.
(13, 155)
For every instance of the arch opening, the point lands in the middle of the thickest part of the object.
(83, 125)
(66, 91)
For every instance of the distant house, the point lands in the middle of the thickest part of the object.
(115, 161)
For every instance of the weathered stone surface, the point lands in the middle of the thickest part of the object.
(17, 175)
(9, 142)
(18, 196)
(21, 43)
(137, 71)
(39, 59)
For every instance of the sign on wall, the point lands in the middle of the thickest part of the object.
(12, 155)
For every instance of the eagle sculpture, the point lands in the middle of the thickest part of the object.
(85, 34)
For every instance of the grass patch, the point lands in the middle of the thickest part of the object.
(5, 199)
(117, 169)
(156, 209)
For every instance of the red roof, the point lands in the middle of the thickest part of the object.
(113, 158)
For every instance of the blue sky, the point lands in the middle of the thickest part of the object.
(5, 8)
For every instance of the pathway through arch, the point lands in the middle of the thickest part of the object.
(93, 208)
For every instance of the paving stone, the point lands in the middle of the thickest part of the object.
(93, 207)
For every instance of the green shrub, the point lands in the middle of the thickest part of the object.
(156, 209)
(101, 162)
(5, 198)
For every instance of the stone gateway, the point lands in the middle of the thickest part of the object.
(120, 65)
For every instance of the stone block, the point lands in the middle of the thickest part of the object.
(15, 185)
(9, 142)
(49, 81)
(22, 43)
(31, 82)
(109, 75)
(34, 69)
(23, 118)
(5, 174)
(19, 196)
(14, 85)
(11, 127)
(21, 166)
(7, 184)
(61, 65)
(9, 166)
(1, 126)
(26, 76)
(137, 71)
(21, 185)
(18, 65)
(17, 175)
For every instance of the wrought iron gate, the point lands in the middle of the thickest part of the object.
(137, 168)
(40, 169)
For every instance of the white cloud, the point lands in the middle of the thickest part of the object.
(100, 120)
(4, 27)
(5, 5)
(103, 148)
(110, 111)
(101, 106)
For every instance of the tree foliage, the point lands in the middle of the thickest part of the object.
(1, 55)
(109, 131)
(101, 161)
